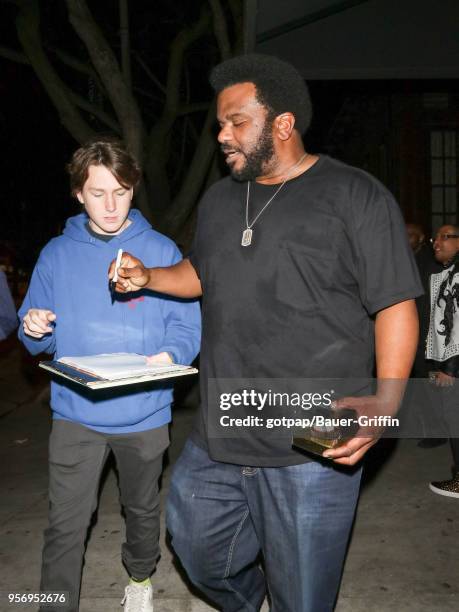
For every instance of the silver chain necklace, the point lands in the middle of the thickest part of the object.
(248, 232)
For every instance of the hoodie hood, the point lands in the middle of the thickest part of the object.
(75, 228)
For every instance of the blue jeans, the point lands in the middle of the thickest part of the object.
(221, 516)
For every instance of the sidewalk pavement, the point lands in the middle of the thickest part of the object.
(403, 554)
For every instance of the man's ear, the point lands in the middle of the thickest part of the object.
(284, 125)
(80, 197)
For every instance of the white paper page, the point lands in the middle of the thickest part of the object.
(114, 366)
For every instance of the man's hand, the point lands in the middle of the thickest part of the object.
(179, 280)
(351, 451)
(132, 274)
(443, 380)
(369, 406)
(37, 321)
(396, 338)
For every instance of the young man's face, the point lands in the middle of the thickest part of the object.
(245, 135)
(105, 201)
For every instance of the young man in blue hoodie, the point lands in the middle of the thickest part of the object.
(62, 316)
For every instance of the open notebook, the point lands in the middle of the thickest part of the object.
(113, 369)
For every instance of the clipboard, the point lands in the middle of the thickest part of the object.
(96, 382)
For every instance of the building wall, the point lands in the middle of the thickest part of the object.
(390, 136)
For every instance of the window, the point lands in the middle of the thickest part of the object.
(443, 177)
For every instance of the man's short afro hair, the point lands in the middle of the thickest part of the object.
(280, 87)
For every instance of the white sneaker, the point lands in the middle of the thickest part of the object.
(138, 598)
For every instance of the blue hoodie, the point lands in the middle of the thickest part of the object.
(70, 279)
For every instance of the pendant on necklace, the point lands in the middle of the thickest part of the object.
(246, 237)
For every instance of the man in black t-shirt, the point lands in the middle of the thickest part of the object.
(305, 272)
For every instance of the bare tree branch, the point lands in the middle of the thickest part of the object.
(105, 63)
(28, 25)
(104, 117)
(75, 63)
(158, 141)
(72, 62)
(153, 148)
(181, 157)
(14, 56)
(147, 94)
(125, 43)
(181, 209)
(187, 197)
(171, 107)
(17, 56)
(181, 42)
(78, 65)
(148, 72)
(237, 11)
(220, 29)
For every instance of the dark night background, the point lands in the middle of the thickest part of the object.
(35, 198)
(406, 558)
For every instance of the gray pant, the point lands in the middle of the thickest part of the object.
(76, 458)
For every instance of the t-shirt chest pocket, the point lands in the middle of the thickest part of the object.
(304, 274)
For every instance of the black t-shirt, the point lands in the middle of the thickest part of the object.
(329, 252)
(103, 237)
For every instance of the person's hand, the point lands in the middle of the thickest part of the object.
(368, 411)
(444, 380)
(160, 359)
(132, 274)
(37, 321)
(352, 451)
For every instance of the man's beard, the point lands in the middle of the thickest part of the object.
(256, 159)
